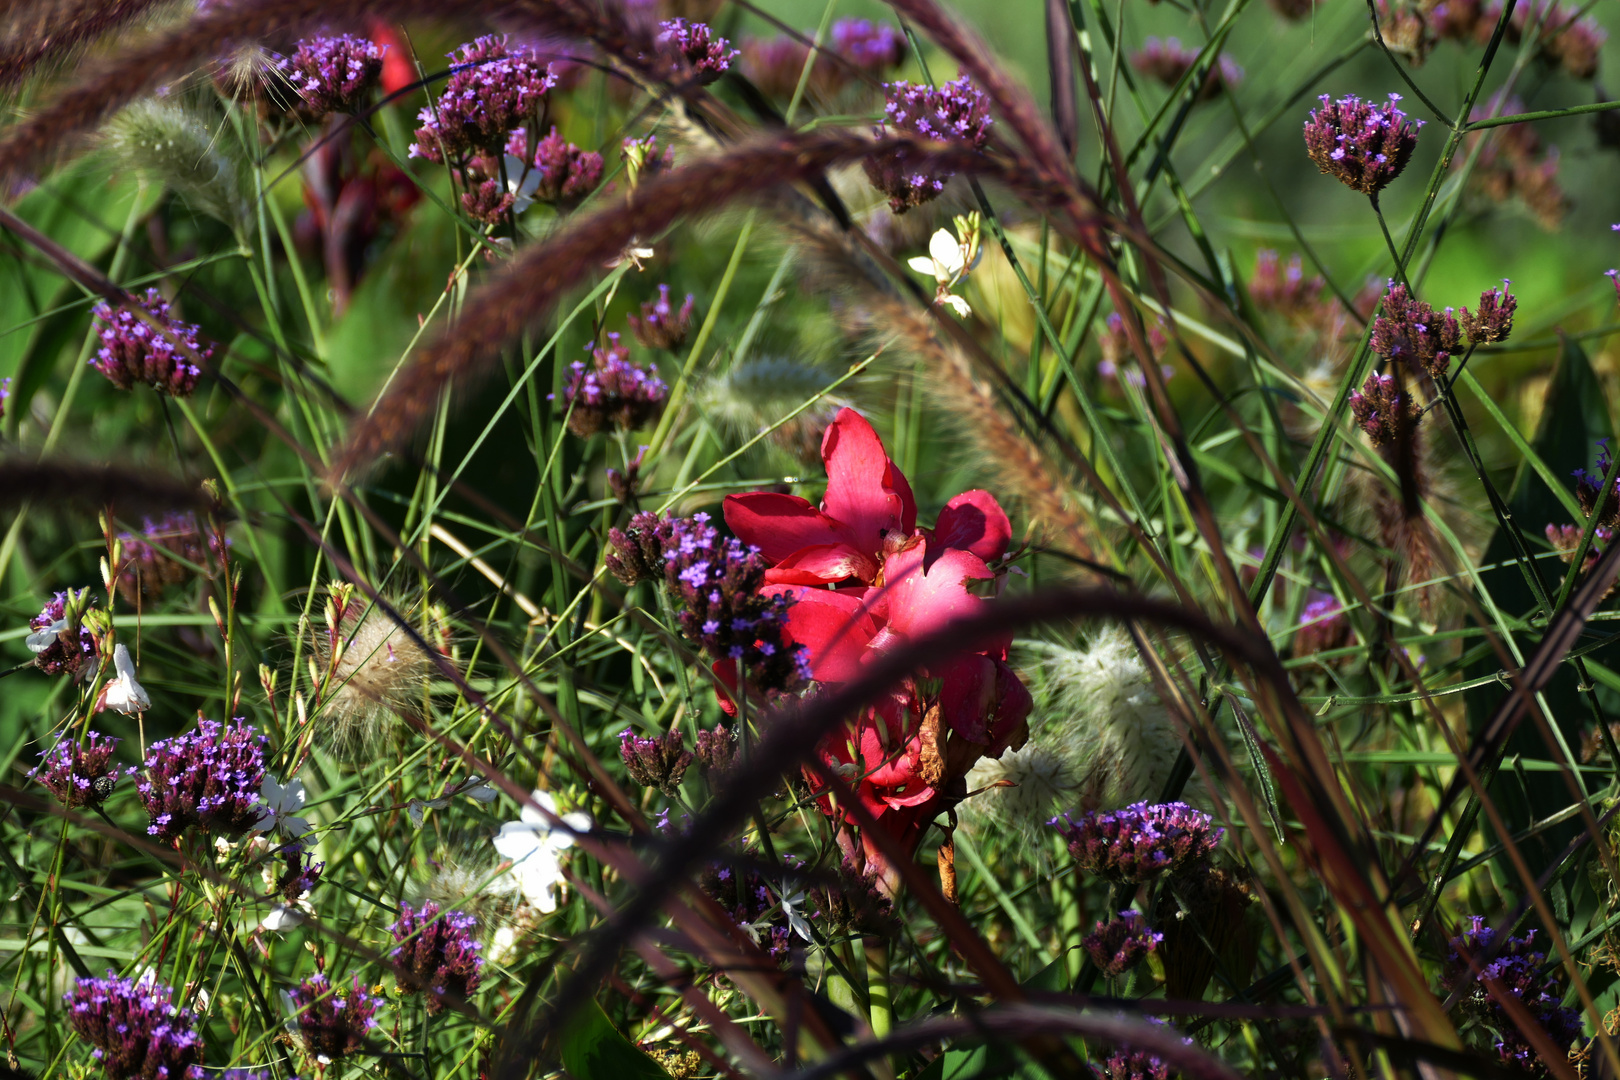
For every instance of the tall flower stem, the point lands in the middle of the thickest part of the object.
(1394, 253)
(880, 1006)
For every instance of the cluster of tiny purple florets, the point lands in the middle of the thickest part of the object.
(157, 350)
(753, 906)
(1140, 841)
(612, 393)
(957, 112)
(693, 47)
(1381, 410)
(1515, 968)
(1410, 332)
(300, 873)
(437, 953)
(1363, 145)
(656, 762)
(79, 773)
(332, 1025)
(1121, 943)
(61, 643)
(854, 47)
(872, 47)
(136, 1029)
(1167, 61)
(1286, 291)
(717, 581)
(208, 778)
(566, 173)
(332, 74)
(1323, 626)
(661, 326)
(491, 92)
(158, 555)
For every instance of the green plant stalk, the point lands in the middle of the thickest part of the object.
(881, 1009)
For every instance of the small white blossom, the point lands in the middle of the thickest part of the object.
(282, 803)
(122, 693)
(40, 640)
(284, 917)
(949, 259)
(796, 921)
(535, 845)
(522, 180)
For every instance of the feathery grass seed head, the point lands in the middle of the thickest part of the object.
(369, 670)
(171, 145)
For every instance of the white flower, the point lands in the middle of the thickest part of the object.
(40, 640)
(632, 255)
(282, 803)
(796, 921)
(122, 693)
(949, 260)
(522, 180)
(284, 917)
(535, 845)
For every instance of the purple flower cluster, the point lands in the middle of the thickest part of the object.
(1494, 320)
(1168, 61)
(612, 393)
(1140, 841)
(656, 763)
(208, 778)
(136, 1029)
(1120, 944)
(692, 47)
(333, 74)
(1589, 490)
(1513, 162)
(78, 773)
(1126, 1063)
(957, 112)
(717, 581)
(141, 342)
(566, 173)
(333, 1025)
(1515, 968)
(1380, 410)
(487, 202)
(874, 48)
(1323, 626)
(165, 552)
(300, 873)
(60, 642)
(490, 93)
(437, 953)
(716, 751)
(753, 906)
(1411, 332)
(660, 325)
(854, 47)
(1363, 145)
(1117, 354)
(1285, 291)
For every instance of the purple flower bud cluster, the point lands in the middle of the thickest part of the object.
(660, 325)
(612, 393)
(1380, 410)
(716, 751)
(1363, 145)
(490, 93)
(60, 642)
(1286, 291)
(692, 47)
(717, 581)
(1516, 968)
(333, 74)
(1127, 1063)
(136, 1029)
(1323, 626)
(208, 778)
(1564, 38)
(1566, 540)
(656, 763)
(437, 953)
(78, 773)
(1120, 944)
(874, 48)
(487, 202)
(566, 173)
(1141, 841)
(1513, 162)
(1494, 320)
(1169, 60)
(299, 875)
(1117, 354)
(957, 112)
(854, 47)
(1413, 333)
(754, 906)
(165, 552)
(333, 1025)
(141, 342)
(1589, 490)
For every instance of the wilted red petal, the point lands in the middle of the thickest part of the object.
(865, 491)
(835, 627)
(974, 521)
(779, 524)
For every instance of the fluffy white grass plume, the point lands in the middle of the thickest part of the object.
(755, 394)
(368, 669)
(169, 144)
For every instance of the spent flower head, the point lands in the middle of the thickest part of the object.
(79, 773)
(656, 763)
(1121, 943)
(1141, 841)
(1362, 145)
(209, 779)
(141, 342)
(136, 1028)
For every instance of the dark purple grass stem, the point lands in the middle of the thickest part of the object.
(59, 29)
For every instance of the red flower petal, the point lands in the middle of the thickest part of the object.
(835, 627)
(916, 601)
(865, 491)
(779, 524)
(822, 564)
(974, 521)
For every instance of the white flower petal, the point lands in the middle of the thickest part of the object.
(956, 304)
(282, 918)
(922, 264)
(481, 792)
(416, 811)
(947, 252)
(40, 640)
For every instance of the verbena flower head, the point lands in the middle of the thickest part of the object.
(1589, 489)
(1413, 333)
(299, 873)
(79, 773)
(1141, 841)
(1286, 291)
(209, 779)
(1168, 61)
(332, 1024)
(612, 393)
(1494, 320)
(1128, 1063)
(437, 952)
(956, 112)
(661, 326)
(774, 64)
(1363, 145)
(1119, 357)
(333, 74)
(1121, 943)
(158, 555)
(491, 92)
(874, 48)
(692, 46)
(768, 912)
(487, 202)
(1380, 410)
(1323, 625)
(566, 174)
(656, 763)
(60, 642)
(716, 751)
(136, 1029)
(141, 342)
(1516, 968)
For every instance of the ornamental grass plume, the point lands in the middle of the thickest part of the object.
(137, 1029)
(368, 670)
(612, 394)
(170, 145)
(437, 953)
(141, 342)
(1141, 841)
(1362, 145)
(207, 779)
(331, 1025)
(955, 112)
(768, 393)
(78, 773)
(332, 74)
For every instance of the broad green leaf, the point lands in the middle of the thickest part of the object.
(593, 1049)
